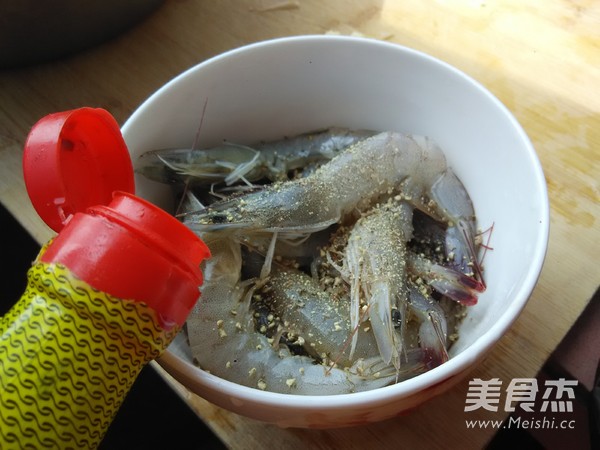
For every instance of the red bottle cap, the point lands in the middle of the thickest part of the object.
(74, 160)
(79, 178)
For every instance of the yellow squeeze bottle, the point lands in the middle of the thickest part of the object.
(104, 297)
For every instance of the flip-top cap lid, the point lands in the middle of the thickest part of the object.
(79, 178)
(74, 160)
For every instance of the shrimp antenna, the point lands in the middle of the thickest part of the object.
(183, 195)
(194, 145)
(487, 246)
(476, 266)
(197, 137)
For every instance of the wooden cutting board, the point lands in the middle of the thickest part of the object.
(541, 58)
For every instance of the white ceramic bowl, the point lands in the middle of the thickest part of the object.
(286, 86)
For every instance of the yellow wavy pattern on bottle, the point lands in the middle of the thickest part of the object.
(68, 356)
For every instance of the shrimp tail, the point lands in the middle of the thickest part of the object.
(432, 342)
(433, 328)
(461, 250)
(447, 281)
(380, 305)
(451, 196)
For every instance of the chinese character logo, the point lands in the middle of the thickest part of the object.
(558, 395)
(483, 394)
(562, 387)
(521, 391)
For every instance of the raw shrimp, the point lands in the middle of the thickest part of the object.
(224, 341)
(319, 323)
(374, 266)
(373, 259)
(374, 263)
(412, 166)
(231, 163)
(286, 331)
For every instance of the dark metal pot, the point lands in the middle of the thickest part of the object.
(33, 31)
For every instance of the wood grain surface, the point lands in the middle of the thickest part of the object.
(541, 58)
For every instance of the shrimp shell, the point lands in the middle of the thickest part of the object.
(231, 162)
(223, 341)
(352, 180)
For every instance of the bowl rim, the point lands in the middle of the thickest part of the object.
(457, 364)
